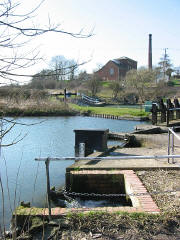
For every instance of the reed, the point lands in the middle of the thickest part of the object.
(36, 108)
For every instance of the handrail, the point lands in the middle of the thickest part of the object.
(171, 140)
(106, 158)
(173, 109)
(175, 134)
(91, 100)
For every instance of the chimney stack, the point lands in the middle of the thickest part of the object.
(150, 52)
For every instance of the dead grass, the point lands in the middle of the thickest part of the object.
(167, 181)
(117, 226)
(36, 108)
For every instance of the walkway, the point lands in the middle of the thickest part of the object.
(153, 144)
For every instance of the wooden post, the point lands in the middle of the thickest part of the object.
(167, 118)
(168, 112)
(176, 104)
(154, 114)
(178, 111)
(170, 106)
(65, 95)
(48, 186)
(162, 110)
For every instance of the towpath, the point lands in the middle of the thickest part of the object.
(152, 144)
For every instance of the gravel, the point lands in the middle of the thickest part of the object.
(168, 183)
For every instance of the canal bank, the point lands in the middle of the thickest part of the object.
(158, 181)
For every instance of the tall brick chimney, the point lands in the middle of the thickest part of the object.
(150, 52)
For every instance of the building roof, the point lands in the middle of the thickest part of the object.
(119, 62)
(123, 58)
(116, 61)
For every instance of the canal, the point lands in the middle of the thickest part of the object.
(24, 179)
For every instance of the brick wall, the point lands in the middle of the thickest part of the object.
(105, 74)
(129, 64)
(96, 183)
(113, 72)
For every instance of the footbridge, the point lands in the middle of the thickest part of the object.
(92, 101)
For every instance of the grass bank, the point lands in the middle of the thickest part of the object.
(102, 225)
(41, 108)
(59, 108)
(122, 112)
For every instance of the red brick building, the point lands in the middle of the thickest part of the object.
(116, 69)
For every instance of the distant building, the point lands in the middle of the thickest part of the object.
(116, 69)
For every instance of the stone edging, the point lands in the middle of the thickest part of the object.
(119, 118)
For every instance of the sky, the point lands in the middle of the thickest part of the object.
(120, 28)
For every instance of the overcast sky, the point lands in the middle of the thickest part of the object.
(121, 28)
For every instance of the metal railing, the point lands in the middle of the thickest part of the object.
(76, 159)
(171, 135)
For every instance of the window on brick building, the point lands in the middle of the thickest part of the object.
(111, 71)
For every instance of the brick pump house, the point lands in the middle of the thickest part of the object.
(116, 69)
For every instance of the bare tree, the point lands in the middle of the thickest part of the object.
(64, 68)
(94, 84)
(141, 80)
(43, 80)
(159, 91)
(17, 30)
(83, 76)
(116, 87)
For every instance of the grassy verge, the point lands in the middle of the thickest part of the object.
(106, 84)
(123, 112)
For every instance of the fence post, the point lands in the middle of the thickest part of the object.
(48, 186)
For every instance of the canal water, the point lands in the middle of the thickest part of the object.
(22, 177)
